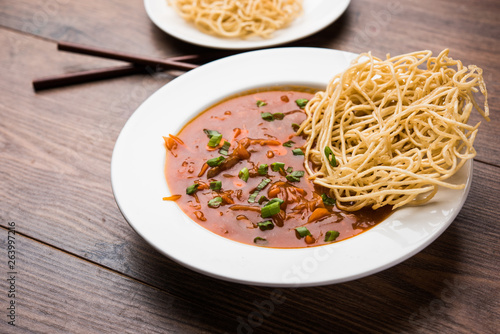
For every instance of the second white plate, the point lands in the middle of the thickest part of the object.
(317, 15)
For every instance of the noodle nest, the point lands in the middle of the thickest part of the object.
(239, 18)
(397, 128)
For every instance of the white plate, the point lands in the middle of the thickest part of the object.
(137, 175)
(317, 15)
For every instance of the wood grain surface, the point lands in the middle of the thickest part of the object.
(82, 269)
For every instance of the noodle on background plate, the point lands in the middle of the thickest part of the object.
(389, 132)
(238, 18)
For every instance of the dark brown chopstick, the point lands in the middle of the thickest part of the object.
(86, 76)
(136, 59)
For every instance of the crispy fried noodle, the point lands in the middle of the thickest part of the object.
(238, 18)
(397, 127)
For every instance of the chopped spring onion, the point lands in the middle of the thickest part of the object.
(271, 208)
(263, 199)
(288, 143)
(295, 126)
(259, 241)
(215, 161)
(216, 185)
(267, 116)
(192, 189)
(331, 235)
(215, 202)
(302, 231)
(297, 151)
(276, 200)
(261, 103)
(277, 166)
(262, 170)
(224, 150)
(211, 133)
(328, 201)
(244, 174)
(289, 169)
(278, 116)
(265, 225)
(295, 176)
(301, 103)
(215, 140)
(330, 156)
(260, 186)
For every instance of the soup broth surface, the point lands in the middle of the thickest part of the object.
(259, 130)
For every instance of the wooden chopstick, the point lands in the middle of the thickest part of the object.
(136, 59)
(86, 76)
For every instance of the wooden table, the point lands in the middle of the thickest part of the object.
(80, 268)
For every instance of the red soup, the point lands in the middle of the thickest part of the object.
(237, 170)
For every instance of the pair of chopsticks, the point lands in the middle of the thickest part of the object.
(137, 64)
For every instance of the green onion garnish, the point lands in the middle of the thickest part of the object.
(267, 116)
(244, 174)
(192, 189)
(277, 166)
(275, 200)
(211, 133)
(331, 235)
(301, 102)
(259, 241)
(295, 126)
(260, 186)
(278, 116)
(289, 169)
(261, 103)
(297, 151)
(263, 199)
(302, 231)
(288, 143)
(265, 225)
(330, 156)
(262, 170)
(328, 201)
(215, 161)
(216, 185)
(215, 140)
(224, 150)
(295, 176)
(215, 202)
(270, 209)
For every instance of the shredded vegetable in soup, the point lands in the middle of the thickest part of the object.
(237, 169)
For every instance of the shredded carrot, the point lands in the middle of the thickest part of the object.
(202, 185)
(170, 144)
(203, 169)
(227, 199)
(200, 215)
(273, 192)
(309, 239)
(177, 139)
(318, 213)
(172, 198)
